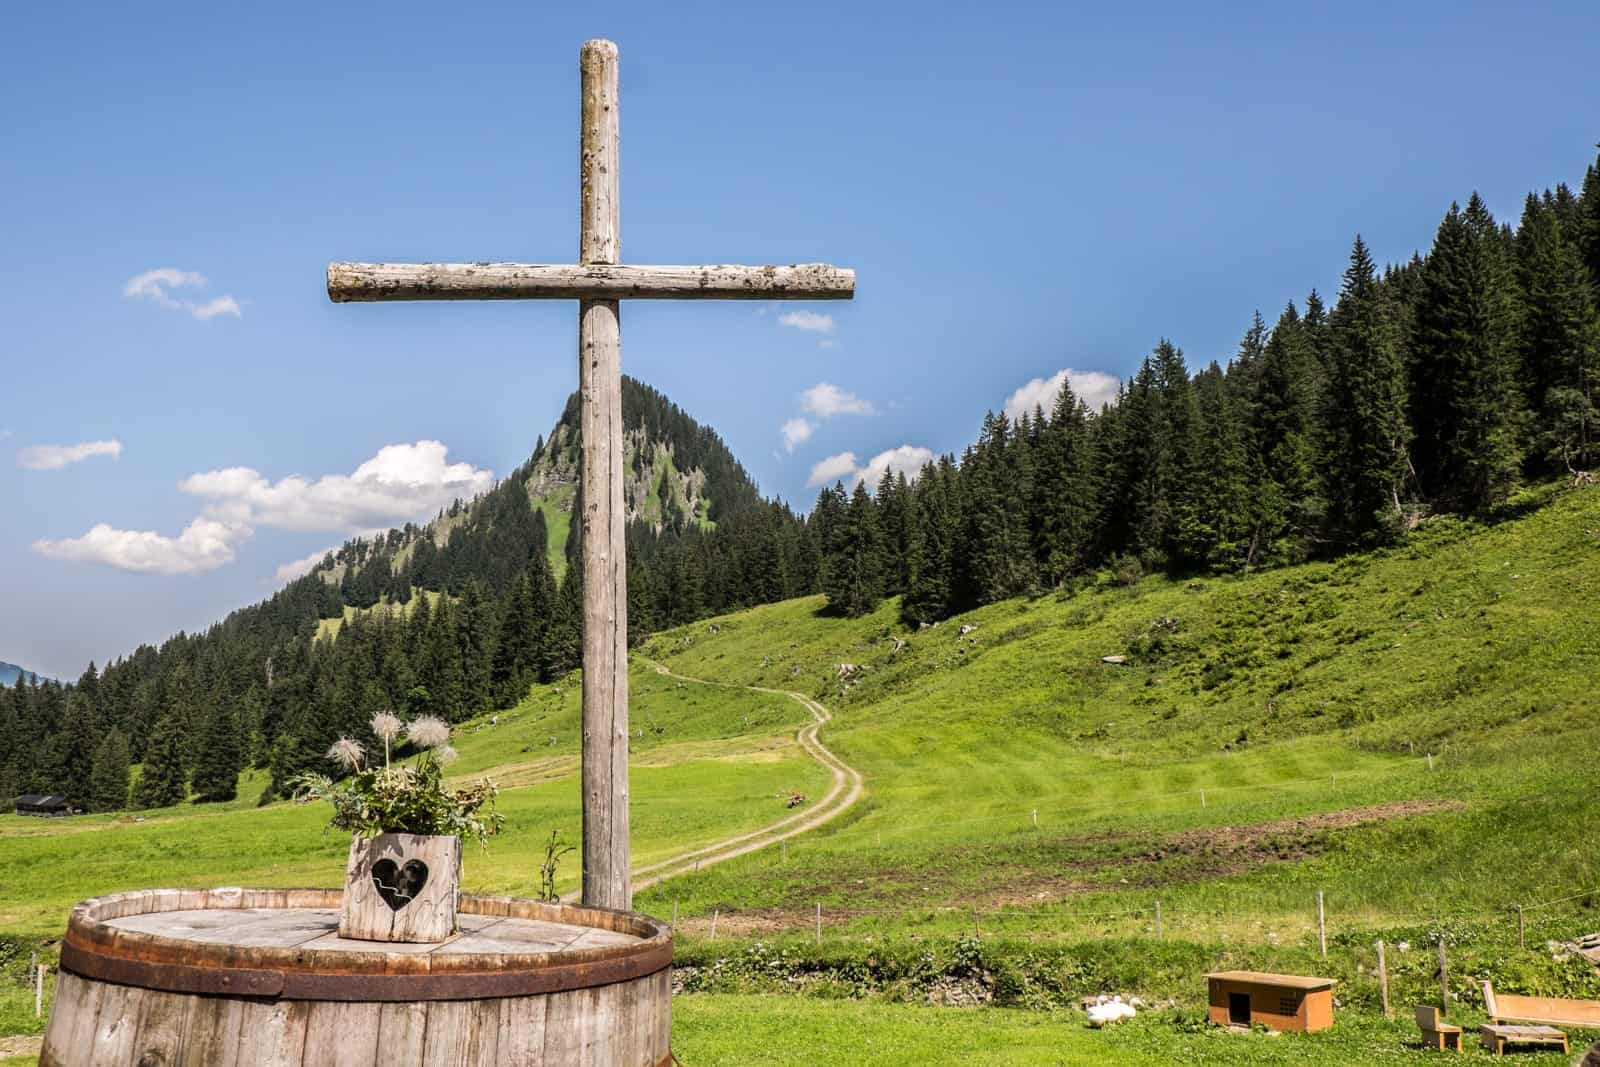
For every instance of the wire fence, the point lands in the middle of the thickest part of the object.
(1157, 919)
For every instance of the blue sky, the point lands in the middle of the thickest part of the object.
(1022, 189)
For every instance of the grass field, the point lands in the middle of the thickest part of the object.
(1410, 732)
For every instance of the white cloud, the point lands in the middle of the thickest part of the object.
(833, 469)
(154, 285)
(222, 305)
(810, 321)
(796, 432)
(907, 460)
(1091, 386)
(54, 457)
(7, 434)
(401, 482)
(204, 545)
(825, 400)
(288, 572)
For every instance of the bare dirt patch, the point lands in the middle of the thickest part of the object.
(1075, 866)
(1226, 850)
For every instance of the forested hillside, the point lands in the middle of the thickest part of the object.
(451, 618)
(1432, 386)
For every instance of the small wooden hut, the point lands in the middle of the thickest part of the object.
(44, 806)
(1276, 1001)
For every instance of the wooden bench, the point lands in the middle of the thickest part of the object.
(1547, 1011)
(1496, 1036)
(1436, 1033)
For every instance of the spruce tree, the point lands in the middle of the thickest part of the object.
(1217, 523)
(1589, 238)
(516, 654)
(110, 774)
(1287, 400)
(1064, 491)
(1463, 397)
(163, 777)
(220, 758)
(927, 597)
(855, 574)
(563, 649)
(75, 745)
(1559, 342)
(1365, 462)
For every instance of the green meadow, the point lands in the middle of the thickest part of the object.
(1410, 732)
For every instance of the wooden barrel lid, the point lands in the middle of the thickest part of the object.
(284, 943)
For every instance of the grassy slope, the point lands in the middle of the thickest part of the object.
(1314, 689)
(1302, 693)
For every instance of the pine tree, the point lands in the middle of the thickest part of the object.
(854, 584)
(1365, 460)
(1559, 341)
(1589, 239)
(1287, 400)
(1464, 403)
(75, 745)
(927, 597)
(564, 639)
(163, 777)
(516, 654)
(1065, 493)
(1217, 524)
(110, 774)
(220, 759)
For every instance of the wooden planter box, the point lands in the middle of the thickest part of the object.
(401, 887)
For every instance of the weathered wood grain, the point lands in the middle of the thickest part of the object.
(372, 282)
(599, 235)
(429, 917)
(107, 1021)
(604, 519)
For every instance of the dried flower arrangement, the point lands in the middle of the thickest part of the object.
(408, 798)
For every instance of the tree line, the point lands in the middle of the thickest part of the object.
(1431, 386)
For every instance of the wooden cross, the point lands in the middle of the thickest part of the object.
(598, 282)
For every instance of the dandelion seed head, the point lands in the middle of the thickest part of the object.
(347, 753)
(446, 755)
(428, 732)
(386, 725)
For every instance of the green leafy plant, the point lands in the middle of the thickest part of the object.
(554, 849)
(409, 798)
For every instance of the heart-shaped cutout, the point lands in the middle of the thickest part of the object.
(399, 886)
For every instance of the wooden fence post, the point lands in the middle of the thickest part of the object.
(1158, 920)
(1430, 761)
(1383, 979)
(38, 991)
(715, 914)
(1035, 818)
(819, 922)
(1322, 929)
(674, 913)
(1202, 798)
(1444, 977)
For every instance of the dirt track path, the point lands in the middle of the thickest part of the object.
(844, 791)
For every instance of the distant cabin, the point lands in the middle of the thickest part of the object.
(43, 806)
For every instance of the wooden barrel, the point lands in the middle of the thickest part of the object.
(258, 977)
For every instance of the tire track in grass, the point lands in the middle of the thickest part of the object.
(845, 790)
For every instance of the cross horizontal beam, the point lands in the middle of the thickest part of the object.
(370, 282)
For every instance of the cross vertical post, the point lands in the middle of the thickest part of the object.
(604, 519)
(599, 281)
